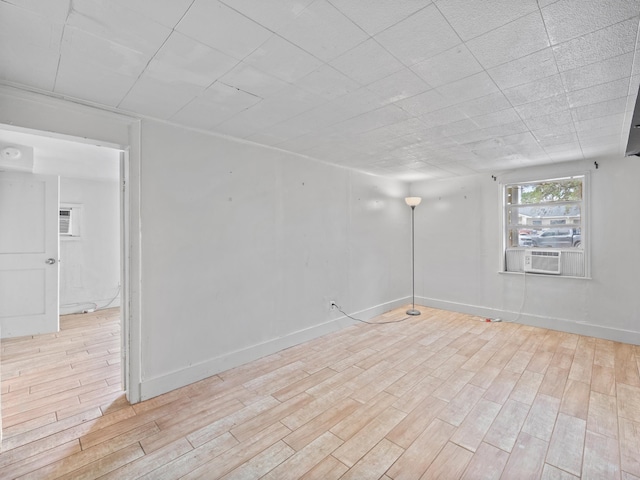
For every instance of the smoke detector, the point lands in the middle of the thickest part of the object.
(10, 153)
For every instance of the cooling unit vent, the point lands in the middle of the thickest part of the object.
(65, 221)
(542, 261)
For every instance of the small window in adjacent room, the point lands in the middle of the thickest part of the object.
(545, 226)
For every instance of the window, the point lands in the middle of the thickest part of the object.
(546, 214)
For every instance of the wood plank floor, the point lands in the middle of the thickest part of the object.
(442, 395)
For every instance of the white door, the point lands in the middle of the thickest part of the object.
(29, 270)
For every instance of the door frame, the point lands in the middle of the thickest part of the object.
(129, 194)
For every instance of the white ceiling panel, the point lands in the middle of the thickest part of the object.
(597, 46)
(472, 18)
(449, 66)
(373, 16)
(598, 73)
(122, 27)
(397, 86)
(323, 31)
(568, 19)
(423, 35)
(474, 86)
(367, 63)
(528, 69)
(517, 39)
(214, 24)
(91, 82)
(283, 60)
(155, 97)
(410, 89)
(328, 83)
(165, 13)
(184, 60)
(251, 80)
(534, 91)
(274, 14)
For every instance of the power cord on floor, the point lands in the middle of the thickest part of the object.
(364, 321)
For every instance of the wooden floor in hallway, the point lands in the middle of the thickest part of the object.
(442, 395)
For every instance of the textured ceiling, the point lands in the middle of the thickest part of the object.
(407, 88)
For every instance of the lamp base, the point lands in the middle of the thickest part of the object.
(413, 311)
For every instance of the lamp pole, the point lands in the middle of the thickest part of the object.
(413, 202)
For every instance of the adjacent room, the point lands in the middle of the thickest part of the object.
(319, 239)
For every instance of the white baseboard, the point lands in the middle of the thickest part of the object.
(179, 378)
(552, 323)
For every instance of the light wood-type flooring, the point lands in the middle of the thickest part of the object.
(442, 395)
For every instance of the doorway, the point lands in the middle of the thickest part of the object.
(91, 174)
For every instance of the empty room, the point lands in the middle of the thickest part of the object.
(319, 239)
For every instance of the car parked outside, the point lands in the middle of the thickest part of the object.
(558, 237)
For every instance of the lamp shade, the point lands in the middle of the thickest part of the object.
(413, 201)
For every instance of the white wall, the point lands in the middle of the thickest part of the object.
(458, 253)
(243, 248)
(90, 262)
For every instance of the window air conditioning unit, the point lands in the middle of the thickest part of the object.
(65, 221)
(542, 261)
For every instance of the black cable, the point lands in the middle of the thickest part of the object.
(370, 323)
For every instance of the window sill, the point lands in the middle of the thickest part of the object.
(531, 274)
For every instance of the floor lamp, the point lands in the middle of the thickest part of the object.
(413, 202)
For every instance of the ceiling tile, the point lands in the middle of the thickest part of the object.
(373, 16)
(367, 63)
(423, 35)
(472, 18)
(468, 88)
(119, 26)
(602, 109)
(273, 14)
(26, 28)
(165, 13)
(511, 41)
(328, 83)
(597, 73)
(484, 105)
(183, 60)
(91, 82)
(31, 66)
(29, 47)
(546, 106)
(398, 86)
(426, 102)
(55, 11)
(79, 46)
(534, 91)
(283, 60)
(597, 46)
(222, 28)
(598, 93)
(442, 117)
(217, 104)
(448, 66)
(548, 121)
(323, 31)
(567, 19)
(371, 120)
(524, 70)
(251, 80)
(157, 98)
(495, 119)
(557, 139)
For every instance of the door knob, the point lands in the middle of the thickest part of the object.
(50, 261)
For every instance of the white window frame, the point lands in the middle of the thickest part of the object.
(585, 223)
